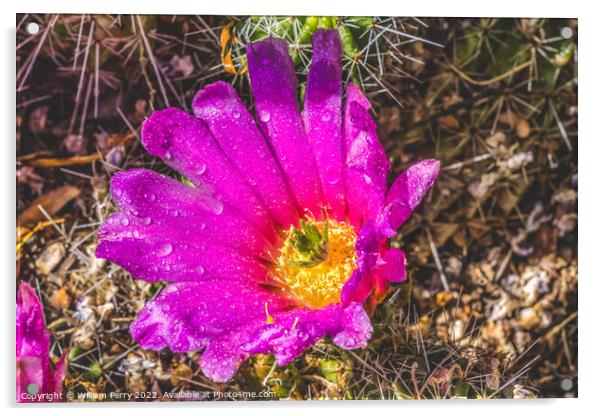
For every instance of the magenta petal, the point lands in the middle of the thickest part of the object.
(223, 356)
(185, 144)
(376, 266)
(155, 203)
(32, 352)
(322, 117)
(367, 248)
(367, 164)
(185, 316)
(392, 266)
(358, 287)
(30, 370)
(406, 193)
(274, 86)
(357, 331)
(291, 333)
(233, 127)
(32, 337)
(156, 253)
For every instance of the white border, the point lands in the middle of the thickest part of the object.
(590, 98)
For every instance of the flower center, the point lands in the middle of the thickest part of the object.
(316, 260)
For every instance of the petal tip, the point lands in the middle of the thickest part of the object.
(157, 130)
(216, 91)
(428, 170)
(326, 44)
(355, 94)
(432, 165)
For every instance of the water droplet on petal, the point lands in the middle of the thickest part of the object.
(214, 205)
(165, 249)
(265, 116)
(150, 196)
(236, 114)
(326, 117)
(167, 155)
(125, 221)
(146, 220)
(201, 169)
(331, 175)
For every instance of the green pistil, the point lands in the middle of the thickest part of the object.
(310, 244)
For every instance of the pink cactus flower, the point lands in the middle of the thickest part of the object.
(281, 237)
(37, 378)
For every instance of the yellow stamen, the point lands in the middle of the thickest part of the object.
(268, 318)
(320, 284)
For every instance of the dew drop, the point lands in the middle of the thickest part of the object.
(136, 234)
(236, 114)
(125, 221)
(167, 155)
(201, 168)
(146, 220)
(326, 116)
(265, 116)
(331, 175)
(165, 249)
(217, 207)
(150, 196)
